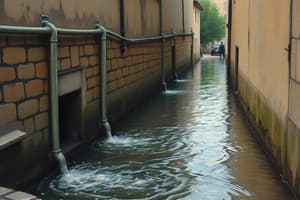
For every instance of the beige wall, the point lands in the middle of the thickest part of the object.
(141, 16)
(173, 19)
(260, 28)
(173, 16)
(293, 141)
(196, 29)
(63, 13)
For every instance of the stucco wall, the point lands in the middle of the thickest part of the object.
(141, 16)
(260, 30)
(293, 141)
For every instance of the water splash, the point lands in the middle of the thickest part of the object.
(191, 146)
(183, 81)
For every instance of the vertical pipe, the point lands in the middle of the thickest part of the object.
(103, 104)
(183, 18)
(161, 16)
(122, 25)
(56, 150)
(229, 35)
(192, 50)
(163, 48)
(175, 77)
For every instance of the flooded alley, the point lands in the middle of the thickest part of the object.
(190, 142)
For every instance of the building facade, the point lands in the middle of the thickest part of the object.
(134, 72)
(264, 60)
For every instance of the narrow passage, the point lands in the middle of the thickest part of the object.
(191, 142)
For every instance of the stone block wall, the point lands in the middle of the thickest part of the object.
(23, 83)
(132, 77)
(24, 99)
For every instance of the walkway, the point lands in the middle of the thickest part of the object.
(191, 142)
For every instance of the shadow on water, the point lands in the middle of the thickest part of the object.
(191, 142)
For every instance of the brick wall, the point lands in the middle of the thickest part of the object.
(23, 83)
(132, 77)
(24, 99)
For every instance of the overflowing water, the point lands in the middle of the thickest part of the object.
(191, 142)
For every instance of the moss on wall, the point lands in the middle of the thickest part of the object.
(271, 130)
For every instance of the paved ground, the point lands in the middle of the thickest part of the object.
(9, 194)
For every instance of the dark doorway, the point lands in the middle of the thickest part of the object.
(70, 120)
(236, 68)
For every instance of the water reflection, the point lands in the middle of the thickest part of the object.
(191, 142)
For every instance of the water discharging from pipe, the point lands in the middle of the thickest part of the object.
(191, 144)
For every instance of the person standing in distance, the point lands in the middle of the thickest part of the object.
(222, 50)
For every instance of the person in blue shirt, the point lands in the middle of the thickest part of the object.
(222, 50)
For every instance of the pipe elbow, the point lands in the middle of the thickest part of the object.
(107, 128)
(61, 161)
(102, 30)
(53, 29)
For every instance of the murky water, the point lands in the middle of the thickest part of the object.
(191, 142)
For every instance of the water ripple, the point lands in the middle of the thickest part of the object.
(191, 143)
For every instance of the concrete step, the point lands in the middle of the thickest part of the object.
(10, 194)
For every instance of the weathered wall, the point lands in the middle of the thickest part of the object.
(71, 13)
(260, 30)
(132, 76)
(141, 16)
(293, 139)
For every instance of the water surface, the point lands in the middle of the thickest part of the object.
(190, 142)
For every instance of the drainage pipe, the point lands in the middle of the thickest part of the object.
(183, 18)
(192, 50)
(63, 31)
(175, 77)
(24, 30)
(149, 39)
(161, 26)
(163, 48)
(103, 105)
(122, 24)
(56, 150)
(100, 30)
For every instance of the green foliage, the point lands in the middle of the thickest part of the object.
(212, 24)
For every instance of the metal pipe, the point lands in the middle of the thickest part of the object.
(229, 36)
(183, 18)
(149, 39)
(103, 105)
(64, 31)
(163, 47)
(24, 30)
(192, 50)
(175, 77)
(56, 150)
(122, 24)
(161, 26)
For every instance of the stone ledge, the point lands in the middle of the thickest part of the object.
(11, 138)
(11, 134)
(9, 194)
